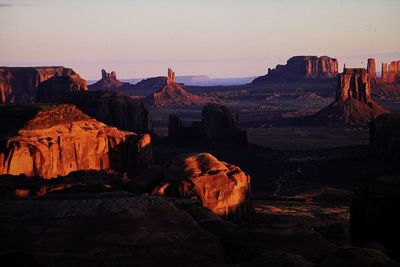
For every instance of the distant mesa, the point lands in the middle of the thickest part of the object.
(19, 84)
(353, 104)
(302, 68)
(51, 141)
(107, 82)
(391, 72)
(173, 93)
(218, 125)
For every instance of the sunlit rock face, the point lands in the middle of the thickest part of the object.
(302, 67)
(105, 229)
(108, 81)
(353, 104)
(19, 84)
(173, 93)
(221, 187)
(371, 68)
(52, 141)
(384, 136)
(374, 216)
(390, 72)
(58, 86)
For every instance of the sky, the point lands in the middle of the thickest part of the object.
(218, 38)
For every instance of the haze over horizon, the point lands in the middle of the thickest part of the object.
(218, 38)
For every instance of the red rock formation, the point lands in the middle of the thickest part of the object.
(221, 187)
(108, 81)
(302, 67)
(19, 84)
(353, 104)
(390, 72)
(173, 94)
(371, 68)
(58, 86)
(51, 141)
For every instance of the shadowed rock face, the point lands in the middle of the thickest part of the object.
(353, 104)
(115, 109)
(108, 81)
(105, 229)
(218, 125)
(302, 67)
(221, 187)
(57, 86)
(384, 136)
(51, 141)
(19, 84)
(173, 93)
(374, 216)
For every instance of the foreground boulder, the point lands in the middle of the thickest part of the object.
(374, 216)
(52, 141)
(104, 229)
(353, 104)
(19, 84)
(384, 136)
(221, 187)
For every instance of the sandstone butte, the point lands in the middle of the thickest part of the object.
(353, 104)
(108, 81)
(52, 141)
(173, 93)
(302, 68)
(19, 84)
(221, 187)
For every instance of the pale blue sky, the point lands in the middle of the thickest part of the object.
(219, 38)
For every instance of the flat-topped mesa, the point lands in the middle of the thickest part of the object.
(108, 81)
(19, 84)
(51, 141)
(171, 76)
(355, 84)
(390, 72)
(303, 67)
(371, 68)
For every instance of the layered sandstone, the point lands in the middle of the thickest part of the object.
(58, 86)
(302, 67)
(19, 84)
(353, 104)
(107, 82)
(52, 141)
(173, 93)
(391, 72)
(221, 187)
(218, 125)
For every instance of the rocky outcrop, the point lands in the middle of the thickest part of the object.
(353, 104)
(52, 141)
(19, 84)
(221, 187)
(57, 87)
(384, 136)
(302, 68)
(107, 82)
(218, 125)
(173, 93)
(104, 229)
(390, 72)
